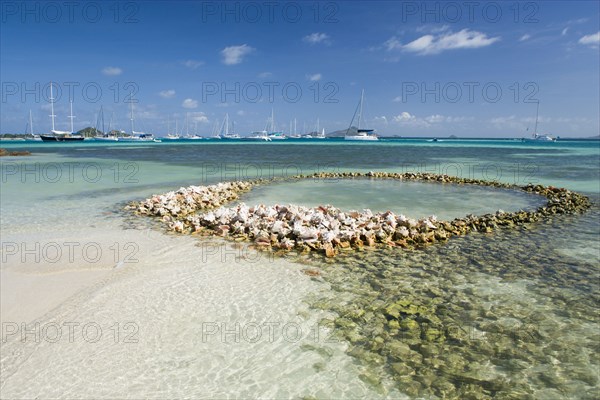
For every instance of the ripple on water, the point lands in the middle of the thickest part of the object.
(192, 325)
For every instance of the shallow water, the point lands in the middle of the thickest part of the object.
(511, 313)
(414, 199)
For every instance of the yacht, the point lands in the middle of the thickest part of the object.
(136, 136)
(361, 134)
(225, 134)
(259, 136)
(537, 137)
(272, 132)
(60, 136)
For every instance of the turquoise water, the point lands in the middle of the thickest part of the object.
(512, 313)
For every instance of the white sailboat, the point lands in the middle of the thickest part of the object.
(537, 136)
(361, 134)
(295, 135)
(272, 132)
(260, 135)
(171, 136)
(56, 135)
(135, 136)
(195, 136)
(316, 134)
(225, 134)
(34, 137)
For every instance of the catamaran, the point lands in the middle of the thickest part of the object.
(361, 134)
(60, 136)
(263, 135)
(270, 128)
(258, 135)
(536, 136)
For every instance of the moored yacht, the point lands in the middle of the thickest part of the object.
(361, 134)
(60, 136)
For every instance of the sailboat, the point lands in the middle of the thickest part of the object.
(260, 135)
(60, 136)
(195, 136)
(225, 134)
(271, 132)
(105, 137)
(294, 135)
(361, 134)
(316, 134)
(135, 136)
(171, 136)
(33, 136)
(536, 136)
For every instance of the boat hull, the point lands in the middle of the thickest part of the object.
(53, 138)
(361, 138)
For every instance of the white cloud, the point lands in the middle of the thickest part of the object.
(407, 119)
(234, 54)
(167, 94)
(316, 37)
(189, 103)
(564, 31)
(314, 77)
(382, 119)
(524, 37)
(393, 44)
(434, 119)
(403, 117)
(265, 74)
(241, 112)
(198, 116)
(434, 44)
(112, 71)
(192, 64)
(592, 40)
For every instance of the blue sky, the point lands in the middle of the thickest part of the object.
(428, 69)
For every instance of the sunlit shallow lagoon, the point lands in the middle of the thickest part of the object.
(513, 313)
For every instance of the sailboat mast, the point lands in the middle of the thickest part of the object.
(131, 102)
(226, 123)
(71, 116)
(272, 120)
(102, 112)
(537, 110)
(187, 124)
(52, 106)
(30, 123)
(317, 126)
(362, 94)
(294, 126)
